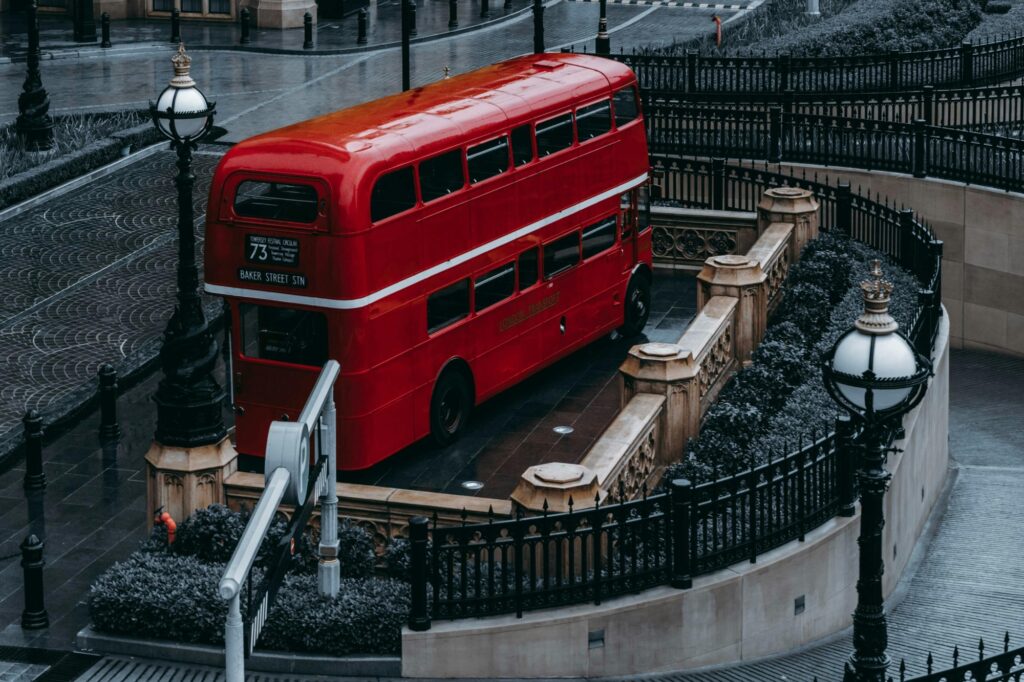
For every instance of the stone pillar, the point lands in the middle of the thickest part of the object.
(741, 278)
(182, 480)
(553, 484)
(790, 205)
(669, 370)
(282, 13)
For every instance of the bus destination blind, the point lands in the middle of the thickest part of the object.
(264, 249)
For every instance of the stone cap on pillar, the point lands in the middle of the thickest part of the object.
(555, 483)
(731, 271)
(782, 201)
(661, 362)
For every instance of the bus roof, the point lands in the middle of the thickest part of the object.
(437, 116)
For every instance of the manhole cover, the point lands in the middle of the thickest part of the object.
(557, 472)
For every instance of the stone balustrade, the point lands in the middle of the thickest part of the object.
(683, 238)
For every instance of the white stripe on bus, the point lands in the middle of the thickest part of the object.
(353, 303)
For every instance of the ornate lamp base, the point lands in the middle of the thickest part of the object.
(182, 480)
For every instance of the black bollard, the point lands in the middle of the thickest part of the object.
(109, 430)
(361, 23)
(453, 14)
(538, 26)
(35, 479)
(243, 17)
(34, 617)
(307, 29)
(176, 26)
(485, 9)
(105, 28)
(419, 617)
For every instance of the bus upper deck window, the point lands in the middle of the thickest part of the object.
(522, 145)
(393, 193)
(284, 334)
(488, 159)
(441, 175)
(276, 201)
(554, 134)
(593, 120)
(626, 108)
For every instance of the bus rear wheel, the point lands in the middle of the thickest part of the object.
(638, 306)
(450, 406)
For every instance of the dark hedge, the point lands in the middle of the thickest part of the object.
(766, 407)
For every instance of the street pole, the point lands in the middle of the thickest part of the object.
(34, 126)
(869, 661)
(538, 26)
(603, 43)
(329, 568)
(189, 400)
(405, 44)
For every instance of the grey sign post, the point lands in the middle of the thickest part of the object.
(287, 481)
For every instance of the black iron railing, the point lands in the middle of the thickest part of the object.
(1004, 666)
(962, 66)
(987, 109)
(775, 135)
(624, 546)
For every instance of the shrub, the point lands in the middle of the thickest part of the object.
(212, 534)
(160, 596)
(997, 8)
(764, 410)
(366, 618)
(172, 597)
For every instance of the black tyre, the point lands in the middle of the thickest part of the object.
(638, 306)
(450, 406)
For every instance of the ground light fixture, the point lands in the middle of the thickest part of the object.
(874, 373)
(189, 400)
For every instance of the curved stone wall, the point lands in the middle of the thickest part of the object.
(983, 256)
(745, 612)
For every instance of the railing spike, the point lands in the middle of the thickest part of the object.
(597, 500)
(1006, 642)
(956, 656)
(490, 513)
(643, 490)
(981, 649)
(930, 663)
(464, 515)
(622, 490)
(570, 504)
(544, 507)
(903, 669)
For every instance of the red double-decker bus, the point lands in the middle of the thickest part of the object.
(441, 244)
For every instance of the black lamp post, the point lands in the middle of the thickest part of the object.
(34, 126)
(188, 398)
(874, 373)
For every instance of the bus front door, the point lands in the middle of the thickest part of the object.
(277, 357)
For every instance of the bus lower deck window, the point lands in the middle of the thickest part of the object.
(528, 269)
(276, 201)
(561, 254)
(283, 334)
(447, 306)
(599, 237)
(494, 286)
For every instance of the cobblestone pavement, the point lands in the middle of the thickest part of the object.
(88, 278)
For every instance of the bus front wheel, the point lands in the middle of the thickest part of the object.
(638, 306)
(450, 406)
